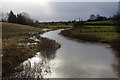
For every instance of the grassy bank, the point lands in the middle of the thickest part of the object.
(104, 34)
(105, 22)
(93, 33)
(61, 26)
(100, 22)
(14, 54)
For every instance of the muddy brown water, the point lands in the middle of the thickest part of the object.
(73, 60)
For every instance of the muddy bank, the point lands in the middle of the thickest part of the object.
(38, 66)
(16, 54)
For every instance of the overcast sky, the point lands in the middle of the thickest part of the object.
(59, 0)
(60, 11)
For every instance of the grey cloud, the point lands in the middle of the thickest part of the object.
(57, 11)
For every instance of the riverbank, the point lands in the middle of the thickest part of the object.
(73, 56)
(103, 34)
(19, 42)
(13, 53)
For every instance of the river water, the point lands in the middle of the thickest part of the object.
(73, 60)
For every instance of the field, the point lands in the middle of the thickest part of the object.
(10, 29)
(60, 26)
(102, 22)
(14, 54)
(99, 33)
(106, 33)
(12, 34)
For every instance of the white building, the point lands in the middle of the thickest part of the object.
(119, 7)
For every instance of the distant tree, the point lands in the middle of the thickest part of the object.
(97, 15)
(21, 19)
(73, 21)
(27, 18)
(110, 18)
(79, 24)
(69, 21)
(52, 23)
(100, 18)
(36, 23)
(24, 18)
(116, 22)
(12, 17)
(97, 18)
(92, 17)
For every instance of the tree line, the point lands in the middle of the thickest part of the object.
(98, 18)
(21, 18)
(115, 21)
(24, 18)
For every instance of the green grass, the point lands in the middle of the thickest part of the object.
(90, 29)
(107, 33)
(100, 26)
(102, 22)
(64, 26)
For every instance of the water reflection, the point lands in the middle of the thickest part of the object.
(38, 66)
(73, 59)
(81, 60)
(48, 48)
(26, 44)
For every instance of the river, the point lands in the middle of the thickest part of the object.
(73, 60)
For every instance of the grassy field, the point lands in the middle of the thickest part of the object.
(100, 26)
(12, 34)
(102, 22)
(105, 33)
(60, 26)
(10, 29)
